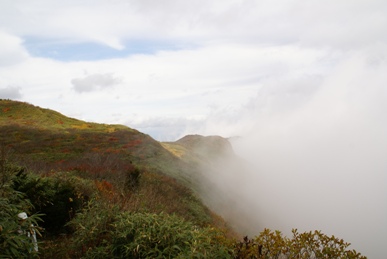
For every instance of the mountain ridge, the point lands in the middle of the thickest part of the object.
(43, 134)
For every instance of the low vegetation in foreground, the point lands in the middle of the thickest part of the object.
(89, 218)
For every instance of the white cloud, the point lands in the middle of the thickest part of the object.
(10, 92)
(94, 82)
(11, 50)
(327, 23)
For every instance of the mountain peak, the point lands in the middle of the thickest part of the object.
(206, 145)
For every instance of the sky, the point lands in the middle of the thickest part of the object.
(303, 83)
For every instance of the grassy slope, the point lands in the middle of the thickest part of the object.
(46, 135)
(201, 153)
(46, 141)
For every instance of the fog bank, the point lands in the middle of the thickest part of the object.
(316, 156)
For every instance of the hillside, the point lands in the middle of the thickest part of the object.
(120, 165)
(44, 140)
(45, 136)
(197, 147)
(109, 191)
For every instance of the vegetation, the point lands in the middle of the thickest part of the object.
(107, 225)
(145, 235)
(12, 202)
(107, 191)
(308, 245)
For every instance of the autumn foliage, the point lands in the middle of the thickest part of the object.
(308, 245)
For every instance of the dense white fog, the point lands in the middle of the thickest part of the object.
(316, 159)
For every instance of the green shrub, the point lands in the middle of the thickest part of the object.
(56, 197)
(101, 231)
(12, 243)
(146, 235)
(92, 229)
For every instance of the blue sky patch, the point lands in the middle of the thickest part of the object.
(89, 51)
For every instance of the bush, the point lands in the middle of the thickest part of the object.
(132, 179)
(92, 229)
(101, 231)
(308, 245)
(146, 235)
(14, 244)
(56, 197)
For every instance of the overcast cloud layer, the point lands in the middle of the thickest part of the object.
(303, 82)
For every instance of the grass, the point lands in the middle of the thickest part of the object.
(45, 141)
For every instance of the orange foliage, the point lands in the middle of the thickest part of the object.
(132, 143)
(112, 150)
(105, 188)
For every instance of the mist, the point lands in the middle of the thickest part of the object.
(314, 158)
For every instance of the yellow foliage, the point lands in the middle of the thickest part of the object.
(111, 129)
(81, 126)
(176, 150)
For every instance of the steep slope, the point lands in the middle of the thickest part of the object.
(105, 172)
(203, 157)
(215, 166)
(200, 149)
(42, 136)
(46, 141)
